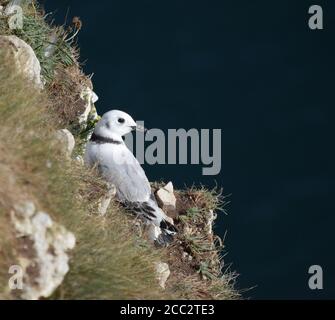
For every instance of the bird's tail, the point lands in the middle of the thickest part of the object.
(151, 213)
(167, 234)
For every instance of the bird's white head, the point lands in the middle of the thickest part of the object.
(115, 124)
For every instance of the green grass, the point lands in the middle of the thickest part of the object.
(214, 281)
(40, 35)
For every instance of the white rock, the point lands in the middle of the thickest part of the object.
(66, 138)
(26, 209)
(44, 255)
(167, 218)
(90, 98)
(80, 160)
(25, 58)
(162, 273)
(212, 216)
(105, 201)
(166, 198)
(95, 98)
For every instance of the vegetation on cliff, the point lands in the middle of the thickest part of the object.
(111, 258)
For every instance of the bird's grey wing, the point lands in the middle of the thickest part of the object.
(129, 178)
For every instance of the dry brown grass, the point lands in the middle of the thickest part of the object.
(201, 273)
(64, 92)
(110, 260)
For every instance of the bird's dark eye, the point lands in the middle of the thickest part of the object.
(120, 120)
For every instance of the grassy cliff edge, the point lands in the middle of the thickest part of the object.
(110, 259)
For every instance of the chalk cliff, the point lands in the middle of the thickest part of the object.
(62, 234)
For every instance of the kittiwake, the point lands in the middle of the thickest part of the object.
(118, 166)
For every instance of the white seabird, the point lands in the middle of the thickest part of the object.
(118, 166)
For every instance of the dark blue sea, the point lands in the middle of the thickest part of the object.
(255, 70)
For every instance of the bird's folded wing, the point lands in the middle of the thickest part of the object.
(129, 179)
